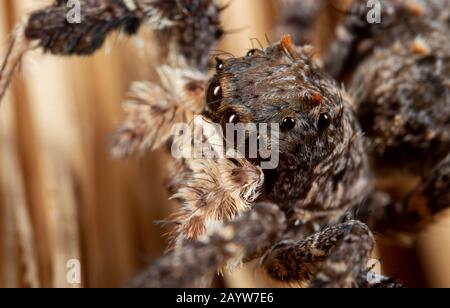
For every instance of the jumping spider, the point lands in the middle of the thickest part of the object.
(301, 218)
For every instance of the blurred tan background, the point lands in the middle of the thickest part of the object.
(63, 197)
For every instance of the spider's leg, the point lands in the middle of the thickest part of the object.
(17, 48)
(359, 32)
(298, 17)
(153, 111)
(193, 26)
(420, 206)
(337, 256)
(354, 29)
(189, 28)
(241, 240)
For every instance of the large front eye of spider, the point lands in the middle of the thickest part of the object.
(214, 94)
(287, 124)
(324, 121)
(230, 117)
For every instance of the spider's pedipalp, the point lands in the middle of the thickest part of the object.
(212, 191)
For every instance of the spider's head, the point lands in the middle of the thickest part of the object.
(282, 85)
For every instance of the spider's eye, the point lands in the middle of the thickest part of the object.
(214, 94)
(251, 52)
(324, 121)
(219, 65)
(287, 124)
(231, 118)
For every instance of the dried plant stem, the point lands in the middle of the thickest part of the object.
(12, 186)
(10, 274)
(12, 182)
(17, 49)
(63, 220)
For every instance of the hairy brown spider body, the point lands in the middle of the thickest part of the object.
(323, 166)
(399, 73)
(323, 174)
(401, 80)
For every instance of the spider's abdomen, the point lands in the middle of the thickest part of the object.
(402, 89)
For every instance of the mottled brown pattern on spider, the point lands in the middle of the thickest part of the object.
(152, 110)
(323, 168)
(211, 192)
(302, 260)
(298, 18)
(322, 175)
(402, 94)
(301, 223)
(399, 73)
(245, 238)
(188, 29)
(323, 165)
(193, 25)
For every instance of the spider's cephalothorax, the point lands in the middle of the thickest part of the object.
(321, 154)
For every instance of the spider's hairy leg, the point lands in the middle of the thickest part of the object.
(55, 34)
(354, 37)
(337, 256)
(153, 110)
(348, 34)
(298, 18)
(190, 28)
(18, 47)
(420, 206)
(406, 126)
(244, 239)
